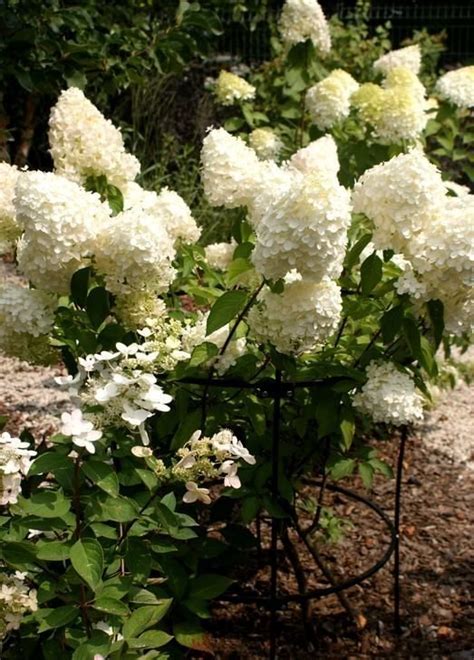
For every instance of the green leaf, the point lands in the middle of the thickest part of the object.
(80, 286)
(98, 306)
(117, 509)
(370, 273)
(190, 635)
(366, 472)
(203, 353)
(114, 198)
(145, 617)
(87, 559)
(209, 585)
(138, 559)
(236, 269)
(391, 323)
(18, 554)
(413, 337)
(347, 427)
(49, 462)
(111, 606)
(152, 639)
(225, 309)
(102, 475)
(46, 504)
(53, 550)
(56, 618)
(436, 312)
(344, 467)
(354, 253)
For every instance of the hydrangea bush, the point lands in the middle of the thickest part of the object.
(348, 266)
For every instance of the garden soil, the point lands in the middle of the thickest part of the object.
(436, 545)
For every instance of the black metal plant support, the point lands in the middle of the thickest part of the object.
(277, 389)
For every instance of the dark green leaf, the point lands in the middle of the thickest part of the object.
(98, 306)
(87, 558)
(152, 639)
(102, 475)
(145, 617)
(80, 286)
(370, 273)
(225, 309)
(209, 585)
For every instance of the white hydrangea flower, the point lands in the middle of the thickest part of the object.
(26, 310)
(400, 196)
(195, 493)
(134, 253)
(402, 77)
(9, 230)
(60, 221)
(84, 143)
(229, 169)
(266, 143)
(408, 57)
(15, 461)
(328, 102)
(139, 309)
(304, 19)
(16, 599)
(319, 155)
(300, 318)
(167, 208)
(231, 88)
(306, 228)
(219, 255)
(81, 430)
(457, 87)
(389, 396)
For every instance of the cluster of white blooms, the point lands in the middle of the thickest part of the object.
(328, 102)
(399, 196)
(231, 88)
(319, 155)
(300, 318)
(167, 208)
(412, 213)
(16, 599)
(134, 253)
(305, 228)
(139, 309)
(458, 87)
(9, 230)
(304, 19)
(26, 318)
(266, 143)
(84, 143)
(80, 429)
(15, 461)
(389, 396)
(219, 255)
(60, 221)
(409, 57)
(229, 169)
(396, 111)
(214, 457)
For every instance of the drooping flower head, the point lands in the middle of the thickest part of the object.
(389, 396)
(457, 87)
(408, 57)
(84, 143)
(231, 88)
(328, 101)
(304, 19)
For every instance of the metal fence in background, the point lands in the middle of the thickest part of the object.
(457, 18)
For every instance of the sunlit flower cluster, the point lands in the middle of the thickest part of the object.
(319, 155)
(408, 57)
(266, 143)
(219, 255)
(84, 143)
(397, 111)
(9, 230)
(167, 209)
(16, 599)
(15, 461)
(300, 318)
(135, 253)
(304, 19)
(458, 87)
(231, 88)
(80, 429)
(60, 221)
(328, 102)
(229, 169)
(389, 396)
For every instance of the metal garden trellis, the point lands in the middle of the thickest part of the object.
(279, 389)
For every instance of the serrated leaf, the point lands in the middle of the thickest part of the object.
(151, 639)
(103, 476)
(87, 559)
(366, 472)
(56, 618)
(53, 550)
(191, 635)
(111, 606)
(203, 353)
(343, 468)
(225, 309)
(145, 617)
(208, 586)
(49, 462)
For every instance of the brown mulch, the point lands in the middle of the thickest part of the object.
(436, 577)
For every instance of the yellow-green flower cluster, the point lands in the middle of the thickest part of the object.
(231, 88)
(328, 101)
(266, 143)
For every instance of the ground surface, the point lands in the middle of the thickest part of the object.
(437, 544)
